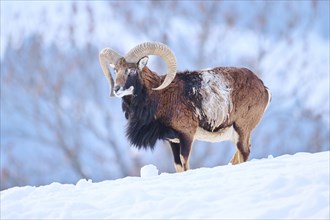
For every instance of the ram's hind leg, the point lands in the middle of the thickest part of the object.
(237, 158)
(242, 147)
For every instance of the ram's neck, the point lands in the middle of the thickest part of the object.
(150, 79)
(143, 104)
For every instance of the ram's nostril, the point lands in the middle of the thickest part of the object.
(117, 88)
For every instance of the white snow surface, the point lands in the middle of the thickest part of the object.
(289, 187)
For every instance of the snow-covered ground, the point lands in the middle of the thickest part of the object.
(289, 186)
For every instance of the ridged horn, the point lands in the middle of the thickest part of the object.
(108, 56)
(159, 49)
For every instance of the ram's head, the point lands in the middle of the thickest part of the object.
(127, 68)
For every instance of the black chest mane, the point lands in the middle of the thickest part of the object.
(143, 130)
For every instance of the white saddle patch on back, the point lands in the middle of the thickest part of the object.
(216, 103)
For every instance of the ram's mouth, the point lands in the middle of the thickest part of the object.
(124, 92)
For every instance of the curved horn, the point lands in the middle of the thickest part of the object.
(108, 56)
(159, 49)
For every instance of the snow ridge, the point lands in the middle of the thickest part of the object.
(289, 186)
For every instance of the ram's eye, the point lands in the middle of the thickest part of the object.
(128, 72)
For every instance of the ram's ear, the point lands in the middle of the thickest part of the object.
(143, 62)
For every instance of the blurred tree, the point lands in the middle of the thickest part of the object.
(58, 104)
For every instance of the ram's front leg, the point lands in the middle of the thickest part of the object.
(185, 148)
(176, 156)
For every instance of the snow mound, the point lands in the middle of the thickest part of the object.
(149, 171)
(289, 186)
